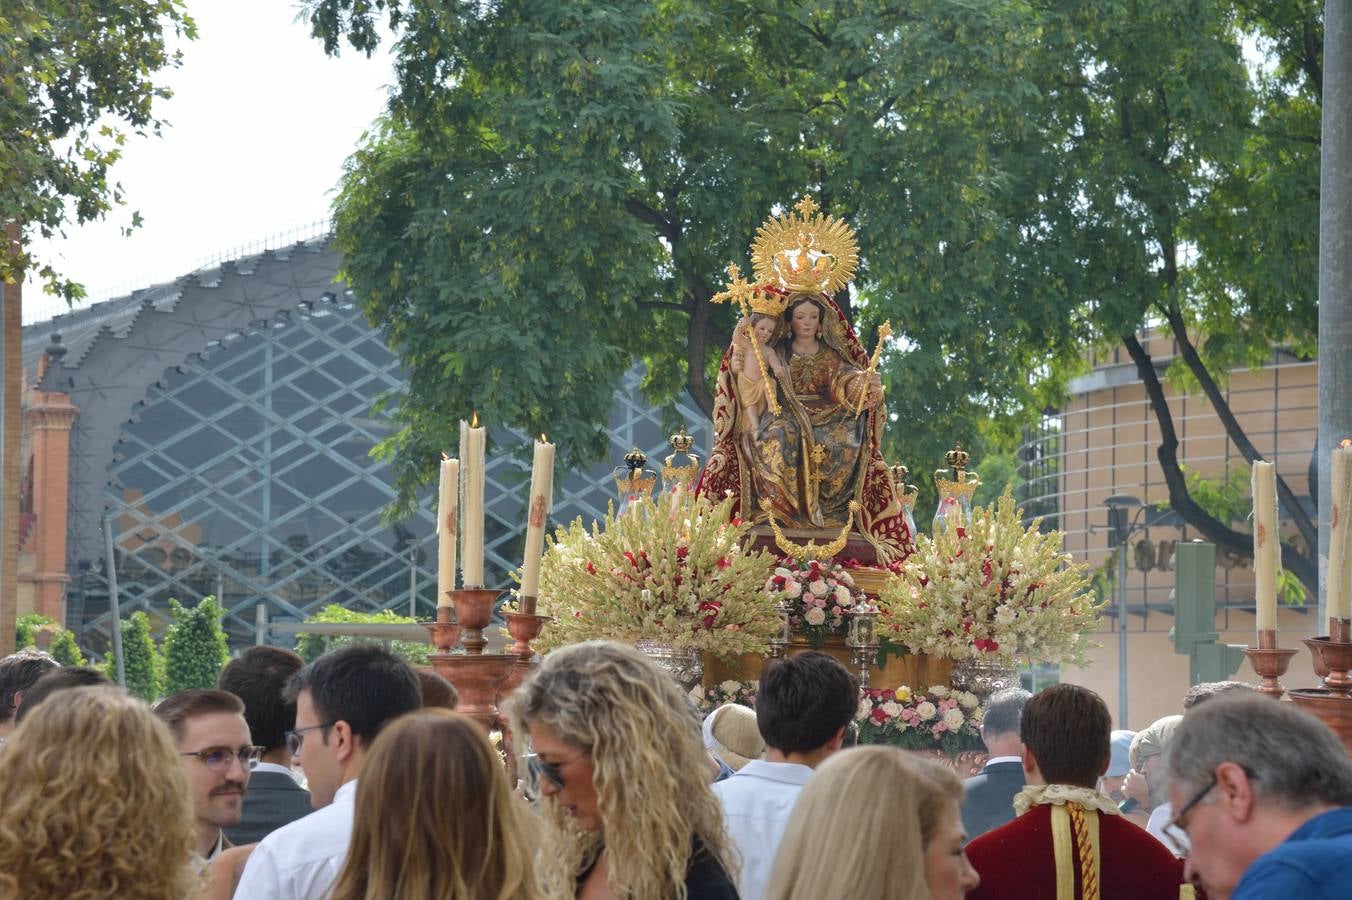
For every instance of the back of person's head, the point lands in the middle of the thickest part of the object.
(648, 761)
(864, 819)
(95, 803)
(58, 680)
(1200, 693)
(1004, 709)
(409, 842)
(364, 685)
(258, 676)
(437, 691)
(1067, 728)
(803, 701)
(1152, 740)
(178, 709)
(1291, 758)
(18, 672)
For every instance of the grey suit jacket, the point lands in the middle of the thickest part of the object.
(271, 801)
(988, 798)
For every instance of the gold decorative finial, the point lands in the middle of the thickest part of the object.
(807, 207)
(636, 459)
(807, 252)
(748, 296)
(960, 481)
(681, 442)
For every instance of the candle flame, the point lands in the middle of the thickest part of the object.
(474, 420)
(1347, 442)
(543, 439)
(444, 457)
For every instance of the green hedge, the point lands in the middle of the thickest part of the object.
(26, 631)
(195, 648)
(310, 646)
(142, 663)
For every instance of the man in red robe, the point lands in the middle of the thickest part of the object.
(1068, 842)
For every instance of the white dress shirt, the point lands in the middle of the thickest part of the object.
(1161, 816)
(301, 861)
(757, 802)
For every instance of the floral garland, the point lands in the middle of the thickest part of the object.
(742, 693)
(940, 718)
(821, 597)
(671, 570)
(998, 589)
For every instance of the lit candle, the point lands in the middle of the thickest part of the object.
(448, 494)
(1267, 560)
(1338, 601)
(541, 500)
(472, 504)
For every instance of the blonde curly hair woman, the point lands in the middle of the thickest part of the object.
(875, 823)
(95, 803)
(623, 776)
(435, 818)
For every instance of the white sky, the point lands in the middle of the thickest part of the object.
(259, 125)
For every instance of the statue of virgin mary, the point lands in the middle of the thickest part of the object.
(798, 411)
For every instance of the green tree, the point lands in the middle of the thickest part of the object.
(65, 650)
(27, 627)
(556, 188)
(195, 648)
(142, 664)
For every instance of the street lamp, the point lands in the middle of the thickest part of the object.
(1124, 513)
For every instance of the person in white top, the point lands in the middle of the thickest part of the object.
(343, 699)
(804, 705)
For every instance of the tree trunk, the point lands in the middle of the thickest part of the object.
(1213, 529)
(11, 386)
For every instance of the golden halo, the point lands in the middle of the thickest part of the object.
(805, 252)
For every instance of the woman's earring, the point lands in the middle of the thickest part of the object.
(819, 334)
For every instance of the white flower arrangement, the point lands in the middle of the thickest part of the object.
(822, 596)
(938, 718)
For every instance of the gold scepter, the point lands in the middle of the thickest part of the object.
(740, 290)
(884, 332)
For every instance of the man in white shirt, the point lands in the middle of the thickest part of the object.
(342, 699)
(216, 751)
(804, 704)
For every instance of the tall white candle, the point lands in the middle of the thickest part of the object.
(472, 442)
(1337, 597)
(1267, 560)
(537, 511)
(448, 502)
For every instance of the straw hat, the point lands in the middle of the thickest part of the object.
(731, 733)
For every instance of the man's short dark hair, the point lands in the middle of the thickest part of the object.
(1004, 709)
(1068, 730)
(803, 700)
(58, 680)
(19, 672)
(258, 677)
(437, 691)
(1199, 693)
(176, 710)
(364, 685)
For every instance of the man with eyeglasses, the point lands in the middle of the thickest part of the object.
(343, 700)
(1264, 793)
(216, 752)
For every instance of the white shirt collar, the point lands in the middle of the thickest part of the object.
(1004, 759)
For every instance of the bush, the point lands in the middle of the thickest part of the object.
(26, 631)
(195, 648)
(142, 663)
(310, 646)
(64, 649)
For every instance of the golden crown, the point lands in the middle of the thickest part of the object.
(746, 294)
(805, 252)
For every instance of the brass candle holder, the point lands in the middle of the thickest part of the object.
(524, 627)
(1332, 703)
(475, 674)
(1269, 662)
(445, 631)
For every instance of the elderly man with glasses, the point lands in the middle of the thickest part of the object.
(1263, 792)
(217, 753)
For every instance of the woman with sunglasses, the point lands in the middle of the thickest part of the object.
(623, 779)
(436, 819)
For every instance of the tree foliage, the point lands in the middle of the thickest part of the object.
(76, 78)
(142, 664)
(556, 188)
(66, 650)
(195, 648)
(27, 628)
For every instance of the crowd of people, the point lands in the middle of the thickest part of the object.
(352, 778)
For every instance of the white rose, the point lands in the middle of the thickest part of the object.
(864, 710)
(818, 588)
(892, 709)
(939, 691)
(783, 572)
(815, 616)
(793, 590)
(845, 579)
(730, 687)
(926, 710)
(954, 719)
(843, 595)
(968, 700)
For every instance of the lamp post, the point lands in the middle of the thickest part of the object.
(1124, 513)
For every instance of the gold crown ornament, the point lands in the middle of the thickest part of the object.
(805, 252)
(751, 298)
